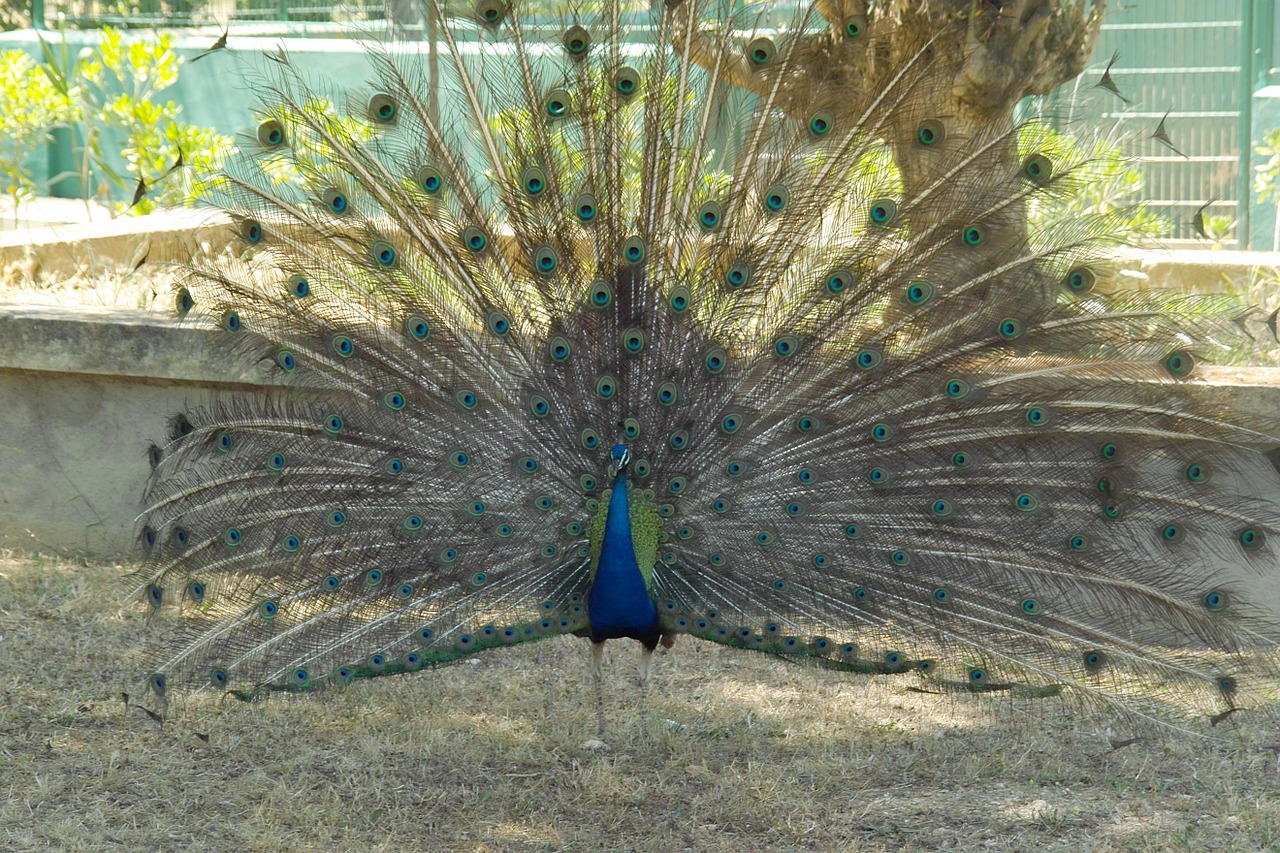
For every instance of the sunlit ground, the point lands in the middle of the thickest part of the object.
(738, 753)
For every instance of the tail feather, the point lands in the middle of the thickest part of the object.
(885, 423)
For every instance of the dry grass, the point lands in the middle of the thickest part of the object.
(489, 756)
(148, 289)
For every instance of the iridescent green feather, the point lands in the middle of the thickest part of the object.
(646, 530)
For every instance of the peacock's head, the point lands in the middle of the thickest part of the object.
(619, 456)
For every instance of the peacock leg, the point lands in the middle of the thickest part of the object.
(597, 669)
(646, 670)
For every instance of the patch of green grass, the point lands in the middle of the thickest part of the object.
(739, 752)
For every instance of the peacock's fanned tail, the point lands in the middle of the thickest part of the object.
(883, 425)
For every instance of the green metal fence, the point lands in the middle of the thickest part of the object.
(1199, 62)
(183, 13)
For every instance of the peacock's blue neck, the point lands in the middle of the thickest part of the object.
(618, 603)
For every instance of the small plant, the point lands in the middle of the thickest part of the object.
(30, 107)
(1266, 178)
(1104, 184)
(114, 92)
(1219, 229)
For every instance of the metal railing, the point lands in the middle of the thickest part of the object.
(1198, 62)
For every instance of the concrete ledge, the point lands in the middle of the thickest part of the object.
(107, 342)
(84, 392)
(116, 244)
(1198, 270)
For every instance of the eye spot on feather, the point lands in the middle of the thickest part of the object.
(584, 207)
(271, 134)
(930, 133)
(601, 293)
(1010, 329)
(883, 433)
(382, 109)
(577, 42)
(475, 239)
(626, 82)
(335, 200)
(533, 181)
(839, 281)
(633, 250)
(1026, 503)
(1251, 538)
(710, 215)
(1080, 280)
(1038, 169)
(883, 212)
(776, 198)
(1215, 600)
(490, 13)
(429, 180)
(1180, 364)
(558, 104)
(868, 358)
(498, 323)
(545, 260)
(679, 300)
(919, 292)
(342, 346)
(250, 232)
(761, 52)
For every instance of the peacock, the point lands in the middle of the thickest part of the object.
(712, 321)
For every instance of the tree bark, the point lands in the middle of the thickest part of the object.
(988, 55)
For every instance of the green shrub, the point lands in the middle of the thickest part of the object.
(30, 107)
(114, 93)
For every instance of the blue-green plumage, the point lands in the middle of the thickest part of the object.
(618, 602)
